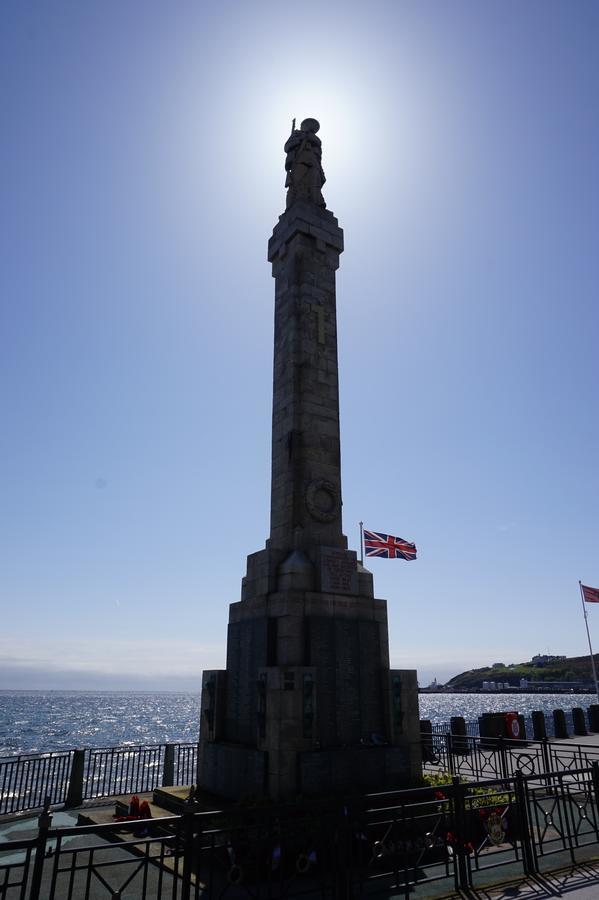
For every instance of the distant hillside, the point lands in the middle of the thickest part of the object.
(578, 668)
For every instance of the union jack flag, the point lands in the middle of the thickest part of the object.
(590, 594)
(388, 547)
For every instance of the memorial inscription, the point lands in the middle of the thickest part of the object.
(338, 571)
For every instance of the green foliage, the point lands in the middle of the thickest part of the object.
(478, 797)
(481, 798)
(575, 669)
(435, 779)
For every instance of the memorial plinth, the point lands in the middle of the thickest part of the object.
(307, 702)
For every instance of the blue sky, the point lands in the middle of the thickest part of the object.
(141, 176)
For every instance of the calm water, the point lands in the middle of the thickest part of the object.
(35, 721)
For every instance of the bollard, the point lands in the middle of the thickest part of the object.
(522, 724)
(578, 722)
(559, 724)
(491, 727)
(426, 734)
(457, 727)
(539, 726)
(594, 717)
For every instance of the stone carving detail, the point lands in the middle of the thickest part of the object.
(322, 500)
(305, 176)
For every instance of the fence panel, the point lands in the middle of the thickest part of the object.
(123, 770)
(564, 814)
(26, 781)
(396, 845)
(186, 763)
(477, 758)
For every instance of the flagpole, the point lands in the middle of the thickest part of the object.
(361, 543)
(584, 610)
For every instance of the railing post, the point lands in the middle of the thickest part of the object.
(462, 870)
(168, 770)
(450, 752)
(528, 853)
(43, 823)
(595, 777)
(546, 752)
(503, 758)
(75, 789)
(188, 847)
(342, 860)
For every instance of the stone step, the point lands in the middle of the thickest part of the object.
(174, 800)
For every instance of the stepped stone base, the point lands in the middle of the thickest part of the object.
(235, 771)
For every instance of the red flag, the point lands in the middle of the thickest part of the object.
(591, 595)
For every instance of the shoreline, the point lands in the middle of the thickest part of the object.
(513, 690)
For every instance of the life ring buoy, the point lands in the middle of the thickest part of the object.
(512, 725)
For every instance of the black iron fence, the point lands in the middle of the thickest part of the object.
(25, 781)
(457, 836)
(477, 758)
(76, 775)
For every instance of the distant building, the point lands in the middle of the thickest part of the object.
(543, 659)
(573, 686)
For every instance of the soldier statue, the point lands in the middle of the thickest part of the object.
(305, 176)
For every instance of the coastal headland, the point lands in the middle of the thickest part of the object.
(543, 673)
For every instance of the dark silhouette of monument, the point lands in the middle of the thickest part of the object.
(307, 702)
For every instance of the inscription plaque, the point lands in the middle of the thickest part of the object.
(338, 571)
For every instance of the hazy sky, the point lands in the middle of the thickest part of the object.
(141, 174)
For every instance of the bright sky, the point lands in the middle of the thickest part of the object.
(141, 175)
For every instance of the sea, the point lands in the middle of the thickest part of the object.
(42, 721)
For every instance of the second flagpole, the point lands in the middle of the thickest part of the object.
(361, 543)
(584, 612)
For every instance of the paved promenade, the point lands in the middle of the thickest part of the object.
(579, 883)
(589, 739)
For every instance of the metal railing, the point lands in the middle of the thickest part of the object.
(119, 770)
(456, 837)
(26, 780)
(477, 758)
(77, 775)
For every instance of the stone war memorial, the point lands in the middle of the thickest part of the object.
(308, 702)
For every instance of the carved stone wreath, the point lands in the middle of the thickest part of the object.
(322, 500)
